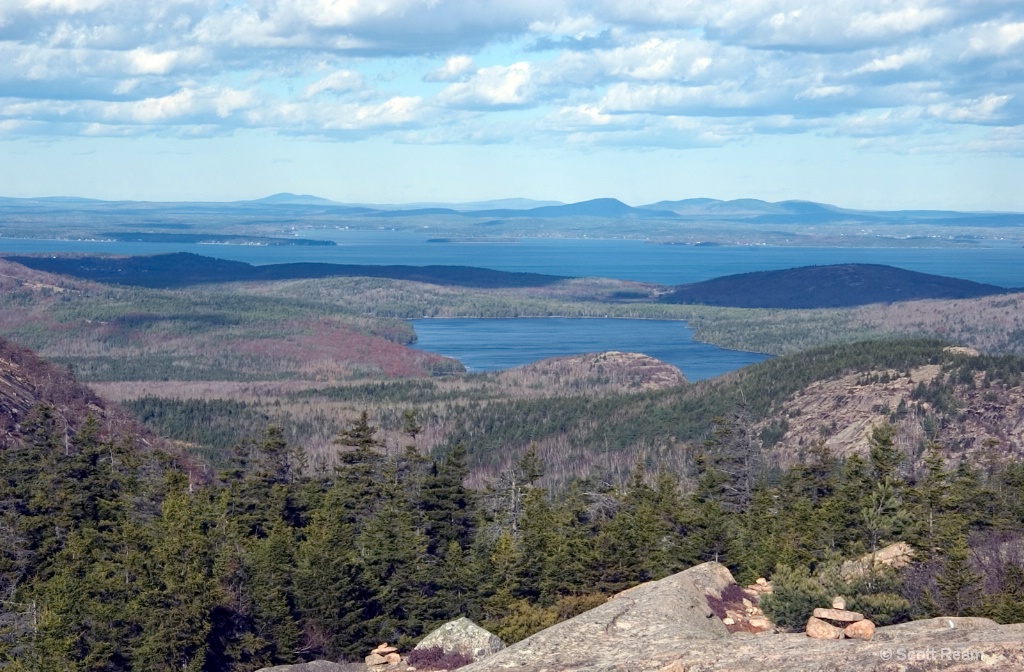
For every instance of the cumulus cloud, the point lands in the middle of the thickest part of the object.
(896, 61)
(434, 70)
(495, 86)
(452, 70)
(336, 82)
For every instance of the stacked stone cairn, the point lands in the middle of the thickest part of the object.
(382, 657)
(837, 623)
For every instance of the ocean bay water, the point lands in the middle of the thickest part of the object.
(623, 259)
(493, 344)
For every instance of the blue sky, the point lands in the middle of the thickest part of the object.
(860, 103)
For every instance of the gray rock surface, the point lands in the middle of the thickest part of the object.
(636, 624)
(317, 666)
(463, 636)
(664, 626)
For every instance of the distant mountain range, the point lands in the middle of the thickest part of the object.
(706, 208)
(696, 221)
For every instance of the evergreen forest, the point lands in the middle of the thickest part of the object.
(117, 557)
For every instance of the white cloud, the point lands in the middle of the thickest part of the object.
(452, 70)
(672, 99)
(336, 82)
(883, 23)
(897, 61)
(979, 110)
(145, 61)
(313, 66)
(825, 92)
(996, 38)
(186, 105)
(498, 85)
(398, 111)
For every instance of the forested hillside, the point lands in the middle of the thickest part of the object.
(113, 560)
(835, 286)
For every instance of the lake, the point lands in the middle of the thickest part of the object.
(494, 344)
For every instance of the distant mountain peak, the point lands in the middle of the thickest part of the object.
(285, 198)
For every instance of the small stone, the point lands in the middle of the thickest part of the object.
(375, 659)
(384, 649)
(860, 630)
(393, 658)
(759, 623)
(839, 602)
(729, 621)
(747, 603)
(819, 629)
(762, 581)
(674, 666)
(840, 615)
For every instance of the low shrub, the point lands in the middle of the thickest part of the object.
(436, 658)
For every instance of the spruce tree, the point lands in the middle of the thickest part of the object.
(959, 585)
(180, 590)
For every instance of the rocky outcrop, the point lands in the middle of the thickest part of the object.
(603, 371)
(317, 666)
(893, 556)
(668, 626)
(636, 625)
(463, 636)
(843, 411)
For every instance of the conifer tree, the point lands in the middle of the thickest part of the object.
(959, 585)
(270, 565)
(447, 506)
(331, 595)
(392, 553)
(181, 592)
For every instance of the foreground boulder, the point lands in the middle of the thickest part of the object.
(668, 626)
(317, 666)
(463, 636)
(636, 625)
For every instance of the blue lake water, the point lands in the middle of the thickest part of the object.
(492, 344)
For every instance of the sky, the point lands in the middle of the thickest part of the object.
(861, 103)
